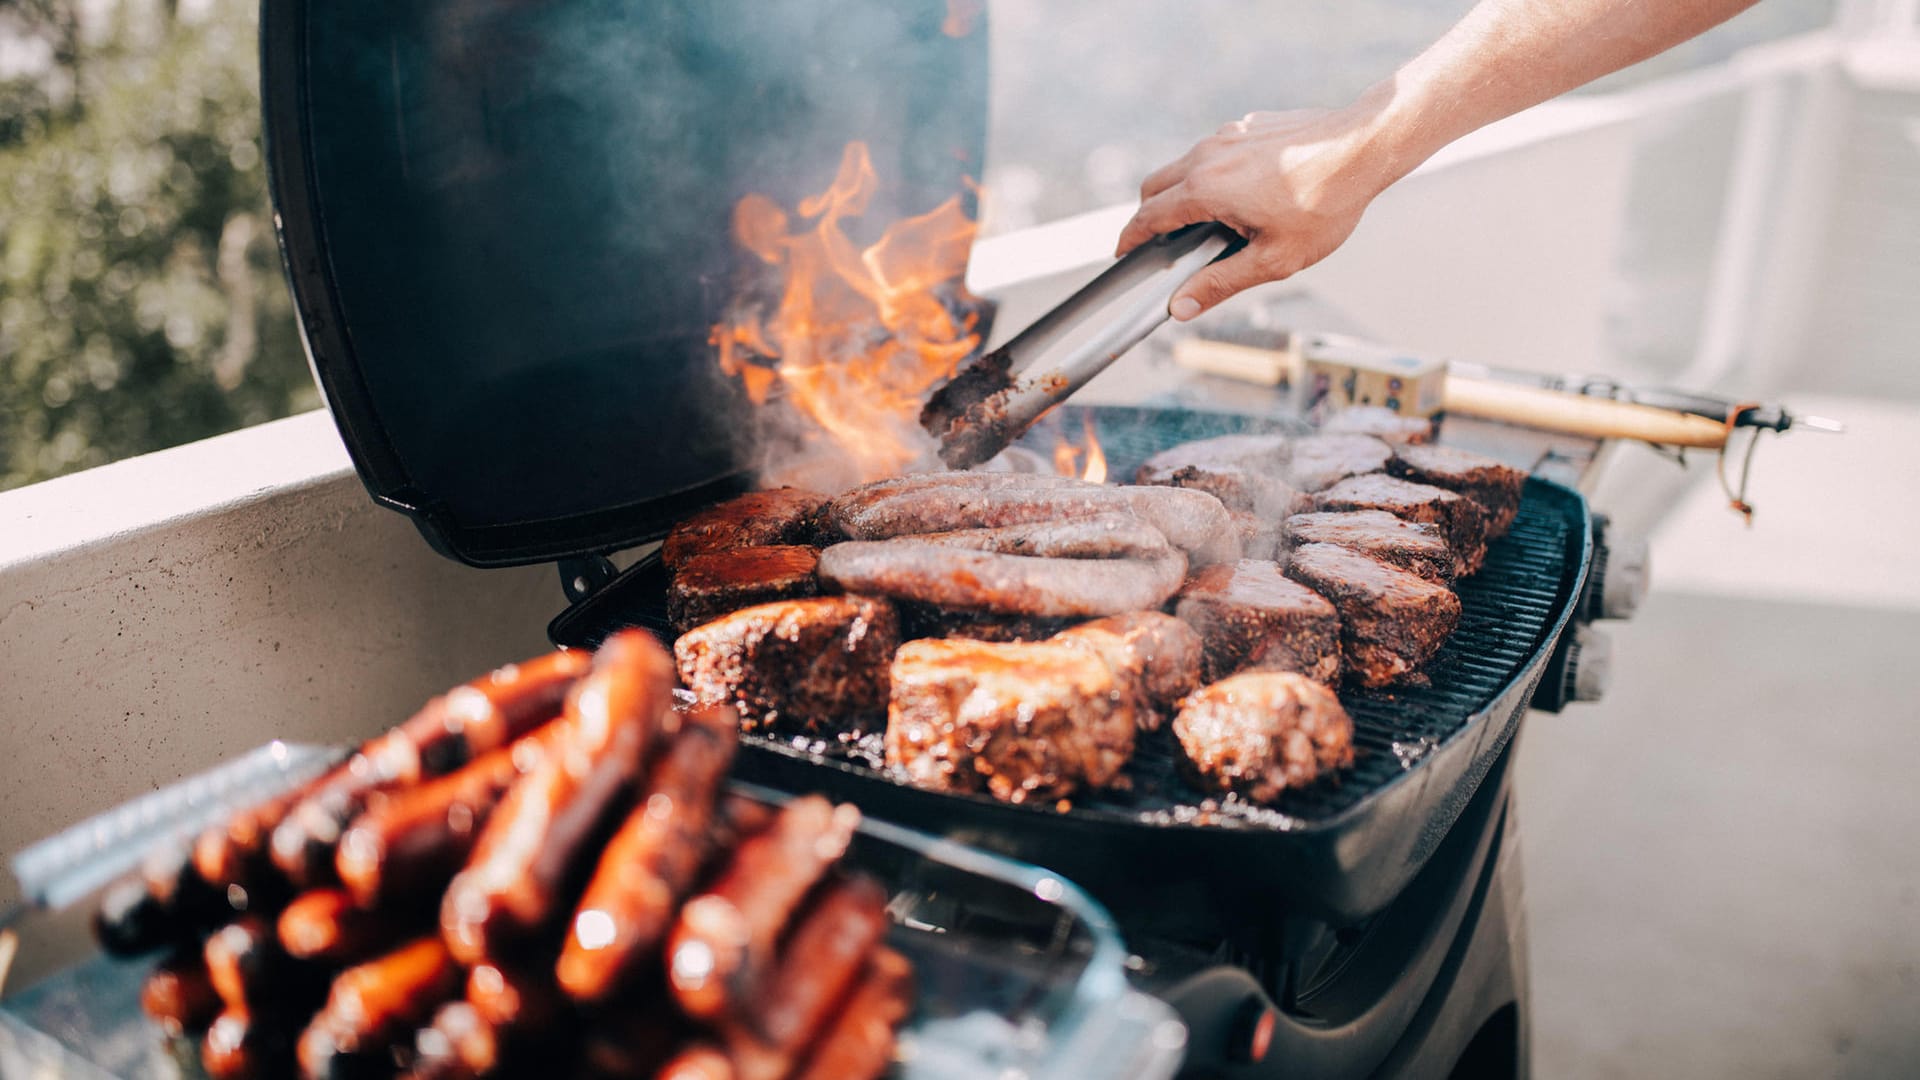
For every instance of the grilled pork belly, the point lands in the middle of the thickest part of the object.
(1025, 721)
(757, 519)
(1262, 732)
(812, 664)
(1320, 461)
(1495, 486)
(1249, 615)
(1459, 519)
(1391, 622)
(708, 586)
(1154, 652)
(1413, 546)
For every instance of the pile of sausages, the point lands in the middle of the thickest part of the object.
(539, 871)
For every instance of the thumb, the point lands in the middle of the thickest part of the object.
(1214, 283)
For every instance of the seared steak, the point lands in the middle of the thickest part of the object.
(1413, 546)
(1391, 622)
(1245, 472)
(708, 586)
(817, 664)
(1320, 461)
(1261, 732)
(1460, 519)
(1025, 721)
(1495, 486)
(781, 516)
(1249, 615)
(1260, 537)
(1381, 423)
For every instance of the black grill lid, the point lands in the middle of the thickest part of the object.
(505, 223)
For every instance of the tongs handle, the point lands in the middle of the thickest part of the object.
(1065, 348)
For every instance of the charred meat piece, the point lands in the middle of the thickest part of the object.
(909, 568)
(709, 586)
(1192, 521)
(1249, 615)
(1152, 651)
(179, 994)
(798, 665)
(1261, 732)
(1245, 472)
(1495, 486)
(757, 519)
(1459, 519)
(1321, 461)
(1024, 721)
(1391, 622)
(1259, 537)
(1381, 423)
(931, 621)
(1413, 546)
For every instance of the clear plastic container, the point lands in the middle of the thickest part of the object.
(1020, 975)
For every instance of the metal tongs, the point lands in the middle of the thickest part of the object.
(995, 400)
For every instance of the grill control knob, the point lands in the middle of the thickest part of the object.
(1589, 665)
(1620, 573)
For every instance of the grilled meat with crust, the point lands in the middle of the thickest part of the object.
(796, 665)
(1025, 721)
(1261, 732)
(1150, 650)
(1245, 472)
(1249, 615)
(1492, 484)
(757, 519)
(1381, 423)
(1320, 461)
(1413, 546)
(1391, 622)
(708, 586)
(1460, 519)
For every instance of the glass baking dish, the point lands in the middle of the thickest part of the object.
(1020, 974)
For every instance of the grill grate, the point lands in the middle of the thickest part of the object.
(1507, 610)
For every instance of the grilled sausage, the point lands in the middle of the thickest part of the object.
(726, 938)
(1101, 536)
(451, 730)
(1191, 520)
(528, 860)
(325, 926)
(252, 973)
(412, 842)
(648, 867)
(375, 1005)
(821, 959)
(914, 569)
(635, 1045)
(859, 1043)
(458, 1045)
(243, 1046)
(232, 857)
(698, 1062)
(179, 994)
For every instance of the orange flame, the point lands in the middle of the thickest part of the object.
(1066, 456)
(860, 335)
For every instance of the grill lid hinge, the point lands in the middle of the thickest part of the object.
(585, 575)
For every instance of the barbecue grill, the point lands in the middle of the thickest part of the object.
(506, 227)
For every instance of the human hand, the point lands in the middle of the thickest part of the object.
(1293, 183)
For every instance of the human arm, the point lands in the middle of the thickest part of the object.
(1295, 184)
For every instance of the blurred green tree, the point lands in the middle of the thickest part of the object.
(141, 298)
